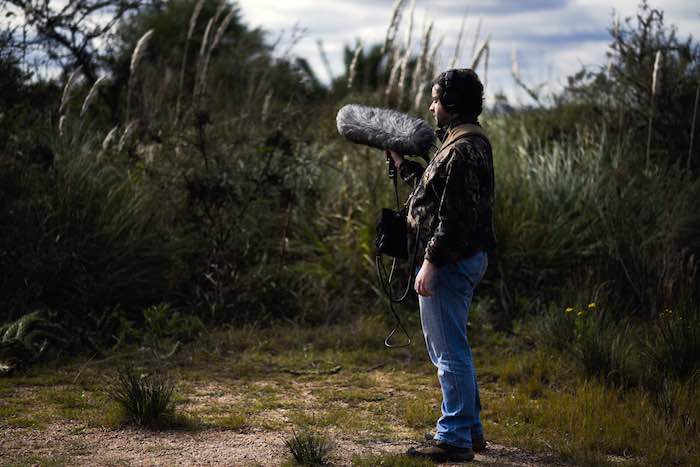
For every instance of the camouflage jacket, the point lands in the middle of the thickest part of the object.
(452, 199)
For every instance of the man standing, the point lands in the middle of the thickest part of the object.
(451, 210)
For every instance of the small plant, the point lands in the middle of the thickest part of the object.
(309, 448)
(146, 400)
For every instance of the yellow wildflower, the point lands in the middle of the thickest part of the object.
(568, 310)
(580, 313)
(591, 306)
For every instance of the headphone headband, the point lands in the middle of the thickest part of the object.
(450, 106)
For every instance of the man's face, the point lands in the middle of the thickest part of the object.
(442, 117)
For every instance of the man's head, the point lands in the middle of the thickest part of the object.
(457, 93)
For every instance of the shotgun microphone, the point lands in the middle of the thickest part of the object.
(386, 129)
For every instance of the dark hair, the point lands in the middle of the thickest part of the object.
(461, 92)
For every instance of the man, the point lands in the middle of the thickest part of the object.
(451, 210)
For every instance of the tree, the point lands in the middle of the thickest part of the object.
(70, 35)
(621, 93)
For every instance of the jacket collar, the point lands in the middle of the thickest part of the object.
(456, 129)
(444, 132)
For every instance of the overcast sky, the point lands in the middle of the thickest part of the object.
(552, 38)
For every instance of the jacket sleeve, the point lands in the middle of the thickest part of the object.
(411, 172)
(458, 212)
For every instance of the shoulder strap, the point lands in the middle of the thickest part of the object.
(463, 131)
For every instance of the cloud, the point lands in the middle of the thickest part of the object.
(554, 38)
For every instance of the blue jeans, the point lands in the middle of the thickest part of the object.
(444, 318)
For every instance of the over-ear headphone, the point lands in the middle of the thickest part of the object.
(447, 97)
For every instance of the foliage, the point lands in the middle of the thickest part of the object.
(26, 340)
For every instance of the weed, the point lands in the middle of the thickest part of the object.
(146, 400)
(309, 448)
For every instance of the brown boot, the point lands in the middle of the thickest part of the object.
(442, 452)
(478, 444)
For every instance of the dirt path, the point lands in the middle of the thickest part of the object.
(74, 444)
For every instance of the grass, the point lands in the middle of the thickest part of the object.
(146, 400)
(390, 460)
(531, 398)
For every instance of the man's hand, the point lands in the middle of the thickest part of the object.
(425, 279)
(398, 158)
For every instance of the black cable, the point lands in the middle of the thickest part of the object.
(381, 273)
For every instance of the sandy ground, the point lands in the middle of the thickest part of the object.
(74, 444)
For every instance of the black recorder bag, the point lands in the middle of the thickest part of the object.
(392, 234)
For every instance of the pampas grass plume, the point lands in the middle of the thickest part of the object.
(61, 125)
(68, 89)
(655, 73)
(139, 51)
(193, 19)
(126, 136)
(110, 138)
(92, 95)
(477, 58)
(353, 64)
(393, 25)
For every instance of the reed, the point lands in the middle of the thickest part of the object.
(61, 125)
(395, 69)
(92, 95)
(139, 51)
(220, 30)
(407, 53)
(486, 66)
(480, 53)
(458, 46)
(109, 139)
(190, 32)
(324, 60)
(514, 67)
(654, 81)
(692, 125)
(393, 28)
(136, 58)
(69, 88)
(419, 71)
(477, 35)
(353, 64)
(433, 60)
(126, 136)
(265, 112)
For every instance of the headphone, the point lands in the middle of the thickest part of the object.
(447, 98)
